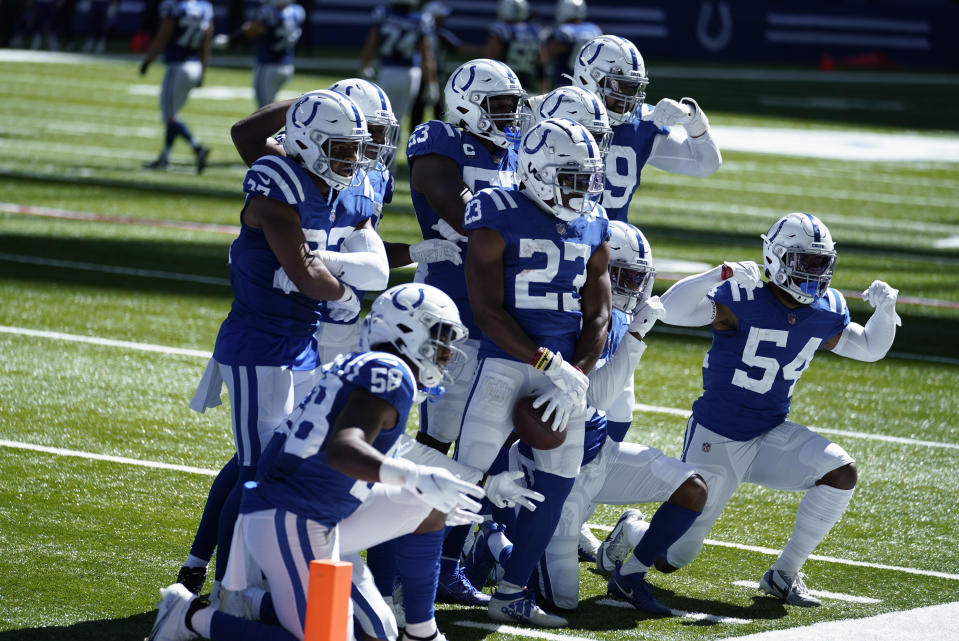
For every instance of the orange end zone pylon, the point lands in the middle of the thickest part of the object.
(328, 600)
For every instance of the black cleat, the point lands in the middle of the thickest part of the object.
(191, 578)
(201, 155)
(160, 163)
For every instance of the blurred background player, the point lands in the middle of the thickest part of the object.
(275, 30)
(184, 36)
(612, 68)
(515, 41)
(538, 280)
(765, 335)
(400, 39)
(567, 36)
(99, 22)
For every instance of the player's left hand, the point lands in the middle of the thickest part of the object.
(436, 250)
(460, 516)
(503, 491)
(883, 297)
(448, 232)
(347, 309)
(669, 112)
(646, 315)
(558, 404)
(144, 66)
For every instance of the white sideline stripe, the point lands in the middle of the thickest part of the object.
(675, 411)
(595, 526)
(519, 632)
(145, 347)
(930, 622)
(59, 451)
(839, 596)
(695, 616)
(111, 269)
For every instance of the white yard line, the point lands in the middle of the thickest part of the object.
(695, 616)
(59, 451)
(838, 596)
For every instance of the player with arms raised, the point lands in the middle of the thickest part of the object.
(765, 334)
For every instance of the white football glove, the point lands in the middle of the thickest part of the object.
(646, 315)
(697, 124)
(669, 112)
(503, 491)
(441, 490)
(744, 272)
(460, 516)
(568, 379)
(347, 308)
(883, 297)
(559, 405)
(282, 282)
(447, 231)
(436, 250)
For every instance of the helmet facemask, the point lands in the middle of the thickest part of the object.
(341, 160)
(502, 120)
(631, 284)
(805, 273)
(621, 93)
(577, 190)
(380, 150)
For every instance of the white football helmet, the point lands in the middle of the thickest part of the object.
(570, 10)
(799, 256)
(560, 168)
(631, 271)
(327, 133)
(580, 105)
(612, 68)
(484, 97)
(380, 121)
(424, 326)
(512, 10)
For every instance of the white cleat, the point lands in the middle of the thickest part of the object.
(616, 547)
(519, 608)
(171, 615)
(790, 589)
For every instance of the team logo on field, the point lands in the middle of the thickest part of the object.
(707, 447)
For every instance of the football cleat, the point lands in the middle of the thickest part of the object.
(615, 548)
(792, 590)
(160, 163)
(518, 607)
(635, 589)
(456, 588)
(437, 636)
(172, 609)
(191, 578)
(588, 545)
(202, 153)
(479, 560)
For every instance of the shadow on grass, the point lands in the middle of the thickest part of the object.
(133, 627)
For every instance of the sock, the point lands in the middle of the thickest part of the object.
(417, 563)
(171, 132)
(200, 621)
(635, 531)
(180, 129)
(424, 630)
(616, 430)
(505, 588)
(228, 514)
(204, 542)
(535, 529)
(224, 627)
(453, 548)
(818, 511)
(668, 524)
(499, 546)
(381, 559)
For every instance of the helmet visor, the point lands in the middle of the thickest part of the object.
(630, 284)
(623, 94)
(580, 190)
(507, 116)
(441, 350)
(810, 270)
(346, 156)
(382, 147)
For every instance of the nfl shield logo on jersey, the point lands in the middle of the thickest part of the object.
(791, 318)
(707, 447)
(560, 228)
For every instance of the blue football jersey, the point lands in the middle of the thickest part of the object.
(400, 35)
(193, 19)
(270, 324)
(628, 152)
(544, 265)
(479, 170)
(521, 49)
(379, 186)
(596, 424)
(284, 26)
(749, 373)
(572, 35)
(292, 471)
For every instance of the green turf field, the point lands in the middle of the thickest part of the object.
(104, 325)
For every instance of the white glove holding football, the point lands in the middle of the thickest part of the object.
(436, 250)
(883, 297)
(698, 124)
(568, 379)
(558, 404)
(345, 309)
(646, 315)
(744, 272)
(503, 491)
(669, 112)
(447, 231)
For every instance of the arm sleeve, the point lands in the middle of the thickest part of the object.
(869, 343)
(679, 153)
(687, 303)
(361, 261)
(606, 383)
(416, 452)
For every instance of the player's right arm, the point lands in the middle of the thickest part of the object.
(687, 302)
(252, 136)
(440, 179)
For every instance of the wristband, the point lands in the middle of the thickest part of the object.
(726, 273)
(394, 471)
(542, 358)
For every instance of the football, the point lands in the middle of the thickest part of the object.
(531, 428)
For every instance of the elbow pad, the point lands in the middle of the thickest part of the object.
(869, 343)
(361, 261)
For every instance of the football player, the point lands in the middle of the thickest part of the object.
(538, 281)
(765, 335)
(327, 456)
(611, 68)
(515, 41)
(571, 32)
(275, 29)
(186, 29)
(265, 351)
(400, 39)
